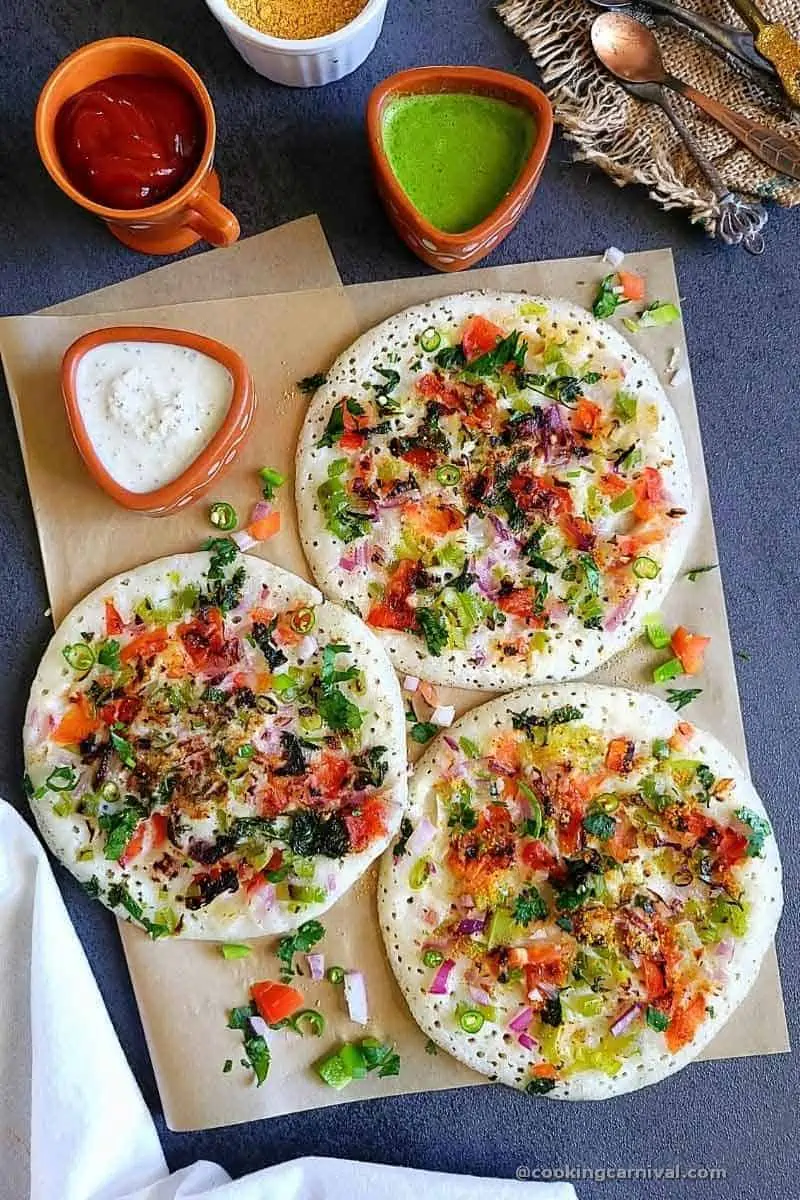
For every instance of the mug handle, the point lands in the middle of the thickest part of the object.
(212, 220)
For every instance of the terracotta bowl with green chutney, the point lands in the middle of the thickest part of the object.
(457, 153)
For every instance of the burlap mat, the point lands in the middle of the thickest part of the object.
(634, 142)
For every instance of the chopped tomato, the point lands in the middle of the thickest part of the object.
(352, 440)
(479, 337)
(690, 648)
(78, 722)
(148, 835)
(505, 751)
(682, 731)
(623, 841)
(276, 1001)
(366, 824)
(144, 645)
(395, 612)
(611, 484)
(483, 416)
(685, 1018)
(538, 493)
(586, 416)
(732, 848)
(547, 961)
(619, 756)
(655, 983)
(521, 602)
(203, 637)
(436, 387)
(536, 856)
(578, 532)
(650, 496)
(544, 1070)
(382, 616)
(120, 712)
(698, 824)
(633, 285)
(261, 616)
(266, 527)
(330, 773)
(629, 545)
(433, 518)
(114, 622)
(422, 459)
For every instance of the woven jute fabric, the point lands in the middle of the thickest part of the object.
(634, 142)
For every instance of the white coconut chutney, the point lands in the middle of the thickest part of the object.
(149, 408)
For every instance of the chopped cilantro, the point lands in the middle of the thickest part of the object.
(760, 830)
(599, 824)
(262, 636)
(423, 731)
(529, 906)
(697, 571)
(311, 383)
(119, 829)
(607, 301)
(433, 629)
(680, 698)
(301, 941)
(108, 655)
(656, 1019)
(123, 749)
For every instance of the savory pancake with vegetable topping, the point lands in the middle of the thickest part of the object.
(582, 893)
(498, 484)
(213, 750)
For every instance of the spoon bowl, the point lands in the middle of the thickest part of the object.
(627, 49)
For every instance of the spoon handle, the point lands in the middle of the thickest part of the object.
(771, 147)
(726, 38)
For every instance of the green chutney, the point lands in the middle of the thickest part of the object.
(456, 155)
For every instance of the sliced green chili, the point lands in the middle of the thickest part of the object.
(430, 340)
(80, 656)
(303, 620)
(448, 475)
(433, 958)
(645, 568)
(223, 516)
(335, 974)
(471, 1021)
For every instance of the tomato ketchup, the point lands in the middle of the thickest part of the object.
(130, 141)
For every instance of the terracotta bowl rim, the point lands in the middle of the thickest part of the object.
(242, 402)
(528, 96)
(46, 143)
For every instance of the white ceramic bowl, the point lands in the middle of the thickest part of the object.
(307, 63)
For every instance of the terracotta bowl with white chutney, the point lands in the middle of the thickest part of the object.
(213, 454)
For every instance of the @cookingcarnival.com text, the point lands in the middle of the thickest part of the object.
(574, 1173)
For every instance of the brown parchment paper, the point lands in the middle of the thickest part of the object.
(184, 989)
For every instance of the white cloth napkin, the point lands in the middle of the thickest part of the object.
(73, 1124)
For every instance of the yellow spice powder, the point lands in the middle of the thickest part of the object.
(292, 19)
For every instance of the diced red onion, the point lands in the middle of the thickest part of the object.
(625, 1020)
(307, 648)
(549, 989)
(521, 1021)
(316, 965)
(260, 510)
(478, 995)
(527, 1042)
(500, 528)
(500, 768)
(725, 950)
(557, 610)
(443, 716)
(261, 898)
(410, 683)
(472, 924)
(421, 836)
(680, 377)
(618, 614)
(486, 581)
(356, 557)
(243, 539)
(282, 720)
(614, 257)
(332, 884)
(355, 996)
(451, 742)
(260, 1026)
(441, 980)
(399, 499)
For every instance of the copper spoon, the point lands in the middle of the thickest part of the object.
(630, 51)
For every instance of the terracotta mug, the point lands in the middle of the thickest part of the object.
(194, 211)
